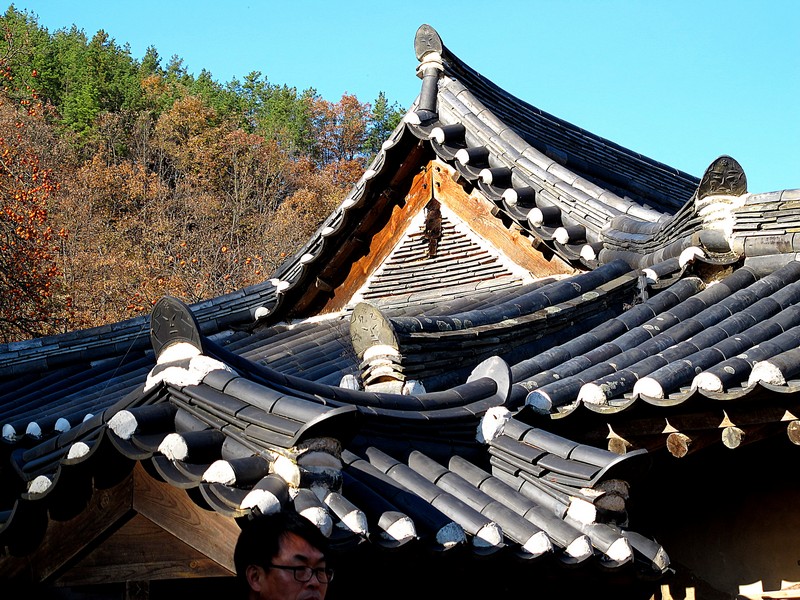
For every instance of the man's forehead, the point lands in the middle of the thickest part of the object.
(296, 547)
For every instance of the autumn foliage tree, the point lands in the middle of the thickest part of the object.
(32, 303)
(104, 262)
(124, 180)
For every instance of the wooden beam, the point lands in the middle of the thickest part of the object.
(793, 431)
(742, 416)
(170, 508)
(736, 437)
(616, 443)
(620, 444)
(732, 437)
(680, 444)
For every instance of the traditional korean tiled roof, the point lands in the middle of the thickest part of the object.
(454, 400)
(248, 437)
(585, 198)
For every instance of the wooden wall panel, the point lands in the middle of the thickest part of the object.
(171, 537)
(65, 540)
(170, 508)
(141, 551)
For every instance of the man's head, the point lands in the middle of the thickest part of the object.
(275, 553)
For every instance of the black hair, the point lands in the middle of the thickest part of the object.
(260, 538)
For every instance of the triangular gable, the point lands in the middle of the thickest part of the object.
(135, 517)
(439, 257)
(439, 240)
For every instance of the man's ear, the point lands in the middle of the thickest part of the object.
(254, 574)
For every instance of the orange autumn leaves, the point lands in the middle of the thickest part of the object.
(196, 209)
(124, 180)
(29, 245)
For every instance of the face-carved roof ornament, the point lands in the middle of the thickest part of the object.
(374, 341)
(368, 328)
(428, 47)
(427, 40)
(724, 176)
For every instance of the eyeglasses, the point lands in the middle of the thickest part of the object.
(303, 574)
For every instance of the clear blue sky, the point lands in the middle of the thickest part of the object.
(680, 81)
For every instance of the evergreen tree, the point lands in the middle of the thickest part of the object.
(150, 64)
(383, 120)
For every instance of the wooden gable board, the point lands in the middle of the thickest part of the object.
(98, 543)
(141, 550)
(476, 211)
(511, 249)
(381, 244)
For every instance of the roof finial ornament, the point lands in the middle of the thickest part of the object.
(428, 47)
(722, 190)
(724, 177)
(172, 322)
(375, 341)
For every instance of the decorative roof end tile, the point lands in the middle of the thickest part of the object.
(171, 322)
(428, 47)
(689, 255)
(9, 433)
(492, 424)
(39, 485)
(77, 450)
(724, 176)
(33, 430)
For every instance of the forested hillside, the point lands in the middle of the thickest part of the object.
(124, 179)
